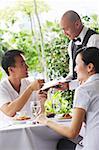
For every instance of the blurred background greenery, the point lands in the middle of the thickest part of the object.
(44, 45)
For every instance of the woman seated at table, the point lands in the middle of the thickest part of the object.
(86, 101)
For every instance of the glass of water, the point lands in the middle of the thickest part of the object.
(35, 107)
(56, 106)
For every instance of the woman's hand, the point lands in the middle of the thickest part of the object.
(42, 96)
(42, 119)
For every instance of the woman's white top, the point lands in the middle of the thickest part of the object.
(87, 97)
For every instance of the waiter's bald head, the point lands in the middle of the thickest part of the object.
(71, 15)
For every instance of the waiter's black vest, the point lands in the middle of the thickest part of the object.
(75, 47)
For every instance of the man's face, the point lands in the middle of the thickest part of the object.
(21, 69)
(69, 28)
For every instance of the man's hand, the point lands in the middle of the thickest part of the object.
(37, 84)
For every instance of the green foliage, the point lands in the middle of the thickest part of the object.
(22, 40)
(92, 22)
(59, 104)
(0, 75)
(29, 40)
(23, 7)
(27, 6)
(55, 47)
(56, 51)
(57, 65)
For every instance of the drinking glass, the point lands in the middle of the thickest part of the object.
(35, 108)
(56, 106)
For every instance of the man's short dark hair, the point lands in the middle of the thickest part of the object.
(8, 59)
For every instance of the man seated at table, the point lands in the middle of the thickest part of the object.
(16, 91)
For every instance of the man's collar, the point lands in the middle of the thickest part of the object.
(83, 33)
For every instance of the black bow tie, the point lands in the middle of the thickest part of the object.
(77, 39)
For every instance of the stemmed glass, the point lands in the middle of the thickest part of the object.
(35, 107)
(56, 106)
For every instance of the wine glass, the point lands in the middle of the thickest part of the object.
(56, 106)
(35, 108)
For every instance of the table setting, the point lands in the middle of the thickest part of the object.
(27, 134)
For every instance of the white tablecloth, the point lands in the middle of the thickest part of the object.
(28, 137)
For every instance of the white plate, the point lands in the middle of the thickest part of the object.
(63, 120)
(60, 120)
(19, 121)
(25, 121)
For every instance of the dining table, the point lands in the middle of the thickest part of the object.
(29, 135)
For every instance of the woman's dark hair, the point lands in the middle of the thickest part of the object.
(8, 59)
(90, 55)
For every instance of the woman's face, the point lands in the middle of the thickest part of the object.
(81, 69)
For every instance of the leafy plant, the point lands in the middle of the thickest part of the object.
(0, 75)
(55, 46)
(58, 101)
(56, 51)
